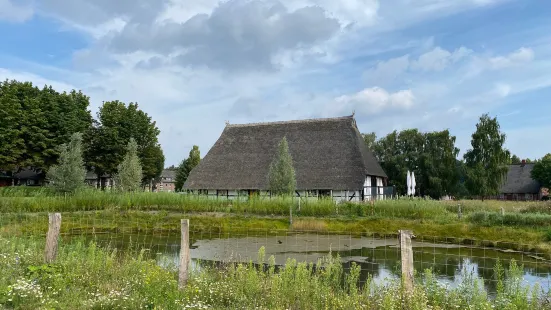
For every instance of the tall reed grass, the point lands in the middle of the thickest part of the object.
(21, 199)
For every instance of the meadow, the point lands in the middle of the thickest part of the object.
(88, 276)
(85, 276)
(509, 225)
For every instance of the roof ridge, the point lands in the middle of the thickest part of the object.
(296, 121)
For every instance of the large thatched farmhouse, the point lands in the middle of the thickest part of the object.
(330, 158)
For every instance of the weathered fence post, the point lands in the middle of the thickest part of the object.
(406, 253)
(502, 211)
(54, 226)
(184, 254)
(459, 213)
(291, 215)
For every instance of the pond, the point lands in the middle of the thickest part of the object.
(378, 257)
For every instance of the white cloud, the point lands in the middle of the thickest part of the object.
(136, 44)
(502, 90)
(375, 100)
(360, 12)
(12, 12)
(37, 80)
(520, 56)
(386, 71)
(439, 59)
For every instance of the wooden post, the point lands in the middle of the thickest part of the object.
(459, 213)
(502, 211)
(54, 226)
(406, 253)
(291, 215)
(184, 254)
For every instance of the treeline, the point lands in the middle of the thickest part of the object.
(433, 156)
(36, 122)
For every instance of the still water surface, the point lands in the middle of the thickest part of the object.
(379, 258)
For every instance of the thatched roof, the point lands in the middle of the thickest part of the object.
(327, 154)
(519, 180)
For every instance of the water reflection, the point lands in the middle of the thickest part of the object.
(378, 258)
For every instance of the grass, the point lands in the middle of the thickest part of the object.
(85, 276)
(26, 199)
(163, 223)
(522, 226)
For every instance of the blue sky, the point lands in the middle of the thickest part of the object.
(193, 65)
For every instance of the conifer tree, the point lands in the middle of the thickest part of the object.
(281, 177)
(68, 176)
(129, 173)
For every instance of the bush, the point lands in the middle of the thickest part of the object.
(510, 219)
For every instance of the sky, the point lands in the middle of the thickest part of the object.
(194, 65)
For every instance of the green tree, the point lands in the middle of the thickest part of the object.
(116, 124)
(370, 139)
(399, 152)
(542, 171)
(12, 144)
(185, 167)
(281, 176)
(438, 164)
(129, 175)
(43, 119)
(432, 156)
(68, 176)
(515, 160)
(487, 161)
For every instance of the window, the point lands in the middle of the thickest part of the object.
(222, 193)
(324, 193)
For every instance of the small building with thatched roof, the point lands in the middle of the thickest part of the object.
(519, 184)
(329, 155)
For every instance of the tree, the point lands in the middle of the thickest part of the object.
(281, 176)
(69, 174)
(185, 167)
(432, 156)
(129, 175)
(117, 123)
(370, 139)
(515, 160)
(542, 171)
(35, 122)
(438, 164)
(399, 152)
(487, 161)
(12, 144)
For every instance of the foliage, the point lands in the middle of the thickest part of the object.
(68, 176)
(281, 176)
(438, 164)
(432, 156)
(35, 122)
(510, 219)
(515, 160)
(487, 161)
(117, 123)
(86, 276)
(370, 140)
(542, 171)
(129, 175)
(185, 167)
